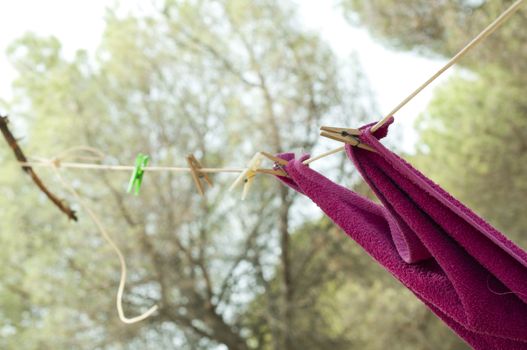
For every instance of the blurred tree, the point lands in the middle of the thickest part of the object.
(472, 140)
(352, 302)
(223, 79)
(472, 137)
(444, 27)
(477, 125)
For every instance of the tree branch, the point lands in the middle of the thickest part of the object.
(12, 142)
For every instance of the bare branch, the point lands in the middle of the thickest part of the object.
(12, 142)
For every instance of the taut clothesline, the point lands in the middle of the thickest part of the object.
(91, 166)
(478, 39)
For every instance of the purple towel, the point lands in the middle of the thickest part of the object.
(464, 270)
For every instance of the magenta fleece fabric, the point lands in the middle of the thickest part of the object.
(463, 269)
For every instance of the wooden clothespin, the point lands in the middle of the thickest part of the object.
(279, 163)
(275, 159)
(197, 175)
(346, 135)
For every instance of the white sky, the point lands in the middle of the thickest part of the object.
(79, 24)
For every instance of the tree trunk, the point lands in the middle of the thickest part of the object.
(287, 288)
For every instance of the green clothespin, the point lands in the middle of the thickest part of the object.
(137, 176)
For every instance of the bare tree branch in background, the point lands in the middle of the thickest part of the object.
(12, 142)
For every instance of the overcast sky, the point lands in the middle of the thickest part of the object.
(79, 24)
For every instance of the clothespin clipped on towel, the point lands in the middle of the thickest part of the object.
(278, 161)
(197, 175)
(279, 164)
(346, 135)
(253, 168)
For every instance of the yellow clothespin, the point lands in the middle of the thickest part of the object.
(248, 174)
(253, 168)
(197, 175)
(346, 135)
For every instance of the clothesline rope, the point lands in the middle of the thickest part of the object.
(75, 165)
(478, 39)
(491, 28)
(55, 164)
